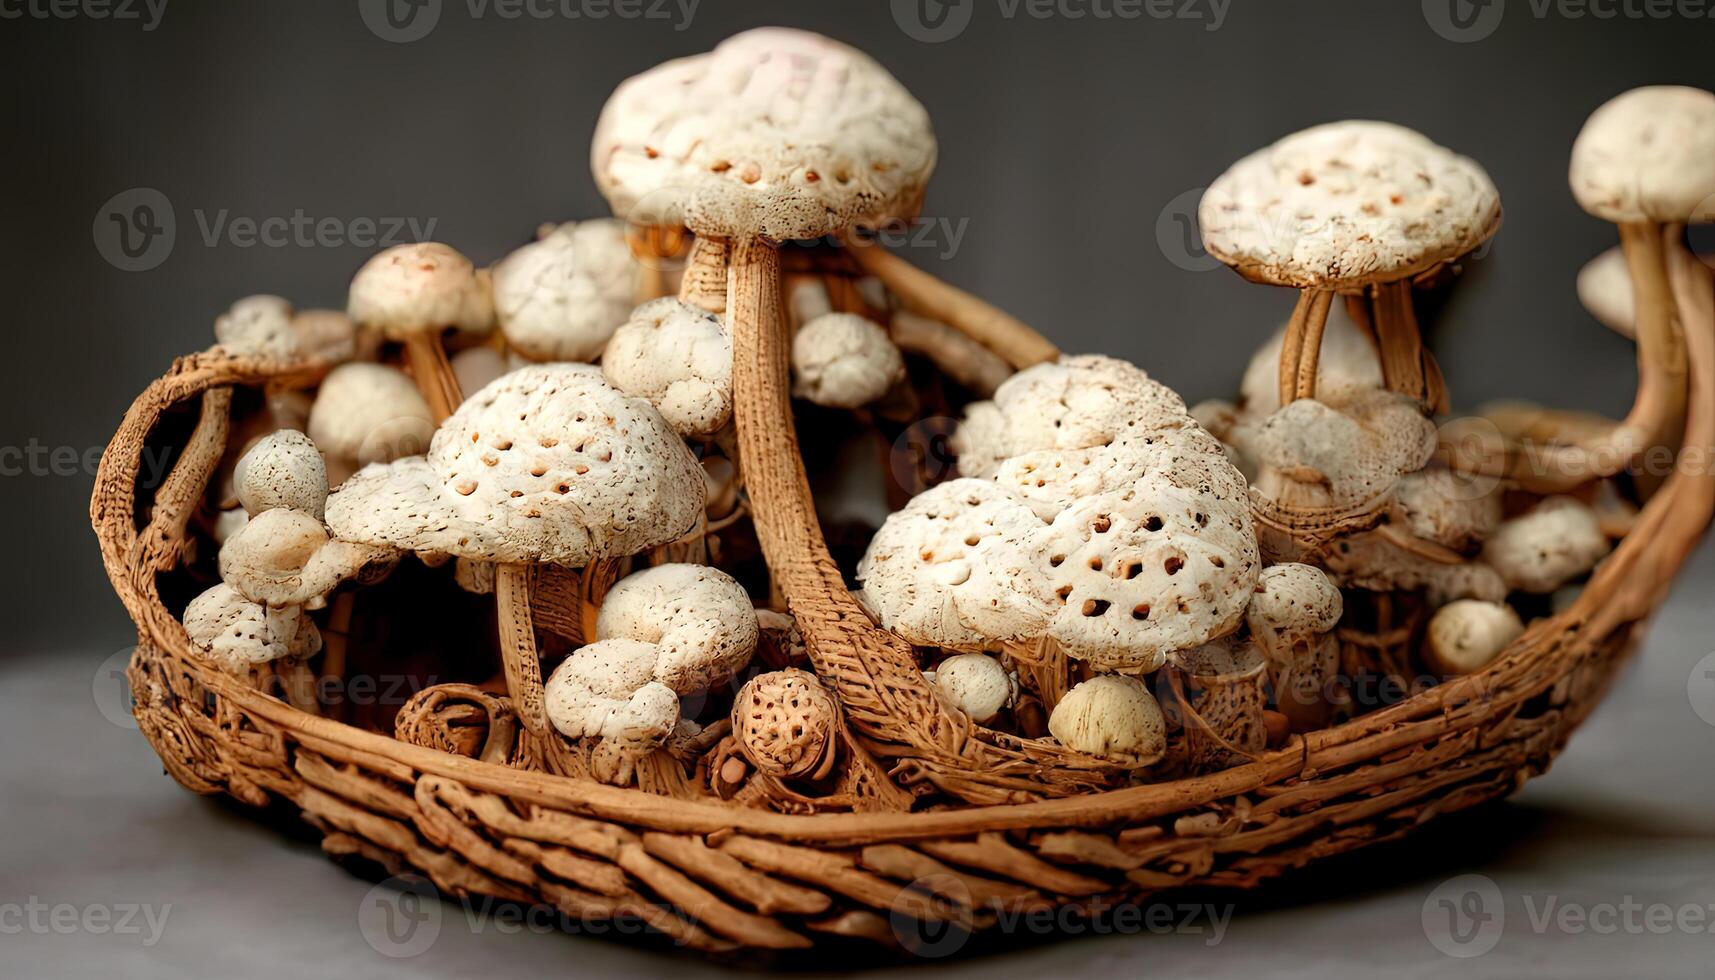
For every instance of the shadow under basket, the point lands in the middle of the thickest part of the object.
(717, 875)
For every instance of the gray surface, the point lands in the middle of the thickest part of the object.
(1063, 142)
(1624, 815)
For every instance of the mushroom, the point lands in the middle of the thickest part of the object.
(787, 725)
(367, 413)
(1464, 636)
(1440, 506)
(843, 360)
(1605, 289)
(1292, 615)
(411, 293)
(977, 684)
(1642, 162)
(1557, 541)
(267, 326)
(561, 297)
(680, 629)
(235, 634)
(283, 469)
(1113, 717)
(680, 359)
(1114, 526)
(1351, 207)
(549, 464)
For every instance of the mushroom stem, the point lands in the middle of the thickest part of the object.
(433, 373)
(1657, 415)
(654, 246)
(1407, 367)
(990, 326)
(1301, 349)
(703, 283)
(518, 656)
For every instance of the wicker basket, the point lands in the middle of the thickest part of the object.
(467, 799)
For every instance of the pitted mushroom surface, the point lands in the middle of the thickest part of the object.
(679, 358)
(236, 633)
(283, 469)
(699, 618)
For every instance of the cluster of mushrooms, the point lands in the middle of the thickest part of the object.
(592, 427)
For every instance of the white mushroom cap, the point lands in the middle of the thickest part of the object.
(678, 357)
(1557, 541)
(958, 566)
(283, 469)
(1605, 289)
(548, 464)
(369, 413)
(258, 325)
(607, 689)
(1077, 402)
(778, 133)
(284, 557)
(478, 367)
(1348, 360)
(843, 360)
(1464, 636)
(561, 297)
(1296, 598)
(1645, 156)
(234, 633)
(977, 684)
(1113, 717)
(699, 618)
(1347, 203)
(420, 287)
(1438, 505)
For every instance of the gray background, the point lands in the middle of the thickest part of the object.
(1063, 142)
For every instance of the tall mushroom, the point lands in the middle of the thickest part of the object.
(1359, 208)
(1641, 161)
(549, 464)
(414, 292)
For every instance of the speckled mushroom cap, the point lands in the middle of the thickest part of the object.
(1465, 635)
(1437, 505)
(1131, 542)
(1347, 204)
(1295, 597)
(267, 326)
(977, 684)
(1558, 540)
(775, 133)
(561, 297)
(958, 566)
(1348, 360)
(1113, 717)
(548, 464)
(784, 722)
(1077, 402)
(283, 469)
(679, 357)
(699, 618)
(235, 633)
(1357, 444)
(1605, 289)
(607, 689)
(843, 360)
(369, 413)
(1645, 156)
(420, 287)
